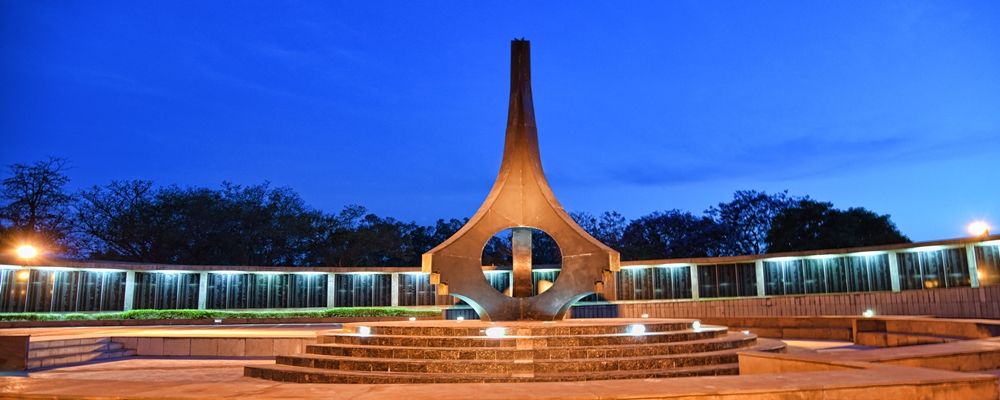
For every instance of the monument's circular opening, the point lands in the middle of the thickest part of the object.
(521, 262)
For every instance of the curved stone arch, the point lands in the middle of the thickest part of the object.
(520, 198)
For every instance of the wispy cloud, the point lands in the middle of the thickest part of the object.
(802, 157)
(120, 82)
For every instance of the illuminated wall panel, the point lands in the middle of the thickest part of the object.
(500, 280)
(854, 273)
(727, 280)
(932, 269)
(551, 275)
(416, 290)
(165, 290)
(363, 290)
(988, 265)
(57, 290)
(654, 283)
(249, 290)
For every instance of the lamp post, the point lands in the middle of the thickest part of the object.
(27, 252)
(979, 228)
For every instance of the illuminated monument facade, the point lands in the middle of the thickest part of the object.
(520, 200)
(522, 337)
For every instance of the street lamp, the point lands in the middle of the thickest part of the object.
(27, 252)
(979, 228)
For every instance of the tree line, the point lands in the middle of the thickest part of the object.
(135, 221)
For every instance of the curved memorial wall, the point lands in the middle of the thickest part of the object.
(74, 286)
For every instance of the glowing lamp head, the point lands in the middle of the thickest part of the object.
(979, 228)
(636, 329)
(495, 332)
(460, 319)
(27, 251)
(868, 313)
(696, 326)
(364, 330)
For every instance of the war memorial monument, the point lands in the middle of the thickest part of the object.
(523, 337)
(911, 321)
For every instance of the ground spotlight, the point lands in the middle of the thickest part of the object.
(495, 332)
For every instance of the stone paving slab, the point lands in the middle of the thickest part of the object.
(210, 379)
(277, 330)
(970, 355)
(191, 378)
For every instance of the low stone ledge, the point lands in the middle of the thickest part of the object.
(227, 347)
(14, 352)
(759, 363)
(204, 321)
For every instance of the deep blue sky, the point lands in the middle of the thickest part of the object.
(401, 106)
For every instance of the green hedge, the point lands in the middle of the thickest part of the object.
(220, 314)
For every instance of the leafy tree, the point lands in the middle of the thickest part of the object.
(36, 208)
(255, 225)
(121, 222)
(264, 226)
(195, 217)
(355, 238)
(391, 239)
(608, 228)
(748, 218)
(425, 238)
(812, 225)
(544, 249)
(672, 234)
(497, 250)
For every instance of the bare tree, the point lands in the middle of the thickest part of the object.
(36, 208)
(748, 218)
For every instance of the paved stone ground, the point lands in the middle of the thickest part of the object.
(195, 369)
(192, 377)
(276, 330)
(820, 346)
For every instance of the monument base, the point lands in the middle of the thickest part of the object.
(476, 351)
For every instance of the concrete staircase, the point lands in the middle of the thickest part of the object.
(454, 352)
(52, 353)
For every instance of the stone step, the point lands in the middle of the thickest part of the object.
(512, 341)
(598, 327)
(657, 362)
(899, 339)
(73, 349)
(358, 355)
(290, 373)
(730, 341)
(701, 370)
(43, 344)
(66, 359)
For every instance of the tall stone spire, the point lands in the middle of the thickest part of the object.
(520, 198)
